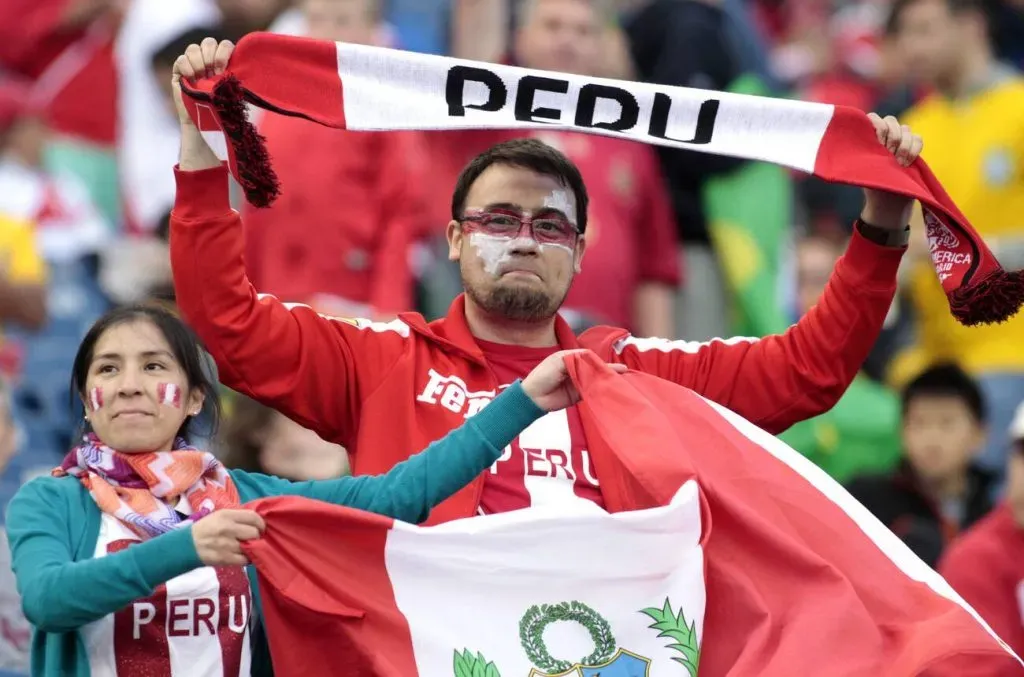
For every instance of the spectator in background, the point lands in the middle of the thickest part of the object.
(259, 439)
(15, 630)
(986, 565)
(937, 491)
(974, 133)
(68, 231)
(22, 271)
(341, 234)
(64, 50)
(66, 46)
(688, 43)
(147, 134)
(1008, 29)
(632, 268)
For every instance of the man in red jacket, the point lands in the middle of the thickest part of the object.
(519, 218)
(986, 565)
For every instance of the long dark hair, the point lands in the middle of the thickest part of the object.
(186, 347)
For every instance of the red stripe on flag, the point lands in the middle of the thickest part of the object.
(306, 586)
(140, 631)
(235, 602)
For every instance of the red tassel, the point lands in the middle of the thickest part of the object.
(252, 162)
(995, 298)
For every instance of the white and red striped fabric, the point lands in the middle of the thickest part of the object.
(195, 624)
(169, 394)
(371, 88)
(760, 565)
(95, 398)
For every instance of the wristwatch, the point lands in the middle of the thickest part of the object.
(883, 236)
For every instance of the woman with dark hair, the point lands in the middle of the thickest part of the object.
(129, 559)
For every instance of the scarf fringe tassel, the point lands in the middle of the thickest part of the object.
(255, 173)
(995, 298)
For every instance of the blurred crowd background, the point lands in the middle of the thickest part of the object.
(680, 244)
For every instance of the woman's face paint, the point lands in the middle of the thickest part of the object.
(169, 394)
(95, 399)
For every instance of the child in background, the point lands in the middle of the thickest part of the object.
(986, 566)
(937, 491)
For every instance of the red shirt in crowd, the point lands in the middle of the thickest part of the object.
(631, 231)
(986, 566)
(72, 66)
(538, 462)
(350, 208)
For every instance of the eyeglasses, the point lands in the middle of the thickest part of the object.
(549, 229)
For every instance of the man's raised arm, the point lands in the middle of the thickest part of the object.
(313, 369)
(780, 380)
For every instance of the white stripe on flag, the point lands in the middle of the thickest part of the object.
(171, 394)
(893, 548)
(486, 572)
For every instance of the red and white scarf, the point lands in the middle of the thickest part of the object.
(141, 490)
(370, 88)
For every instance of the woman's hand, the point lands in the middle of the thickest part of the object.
(219, 536)
(549, 385)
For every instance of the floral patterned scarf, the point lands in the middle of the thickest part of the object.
(141, 490)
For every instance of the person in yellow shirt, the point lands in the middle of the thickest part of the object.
(22, 275)
(973, 127)
(22, 270)
(22, 287)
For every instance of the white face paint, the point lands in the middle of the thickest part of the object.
(495, 251)
(563, 201)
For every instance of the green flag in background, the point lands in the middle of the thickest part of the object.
(750, 217)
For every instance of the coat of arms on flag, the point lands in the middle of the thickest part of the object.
(607, 659)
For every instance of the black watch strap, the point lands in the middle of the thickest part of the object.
(883, 236)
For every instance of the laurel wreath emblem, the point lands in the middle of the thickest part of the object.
(539, 617)
(668, 621)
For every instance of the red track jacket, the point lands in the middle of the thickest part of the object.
(385, 391)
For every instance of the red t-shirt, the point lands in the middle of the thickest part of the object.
(986, 566)
(631, 231)
(548, 462)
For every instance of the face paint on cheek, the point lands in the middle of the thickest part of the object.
(95, 399)
(169, 394)
(495, 250)
(563, 201)
(559, 247)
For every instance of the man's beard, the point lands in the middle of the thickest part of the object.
(514, 302)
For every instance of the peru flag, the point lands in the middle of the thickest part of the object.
(745, 560)
(169, 394)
